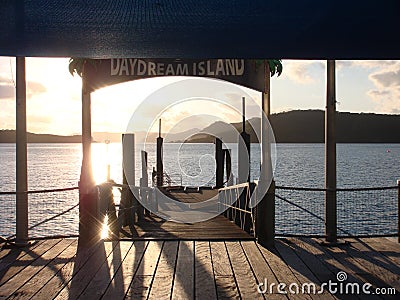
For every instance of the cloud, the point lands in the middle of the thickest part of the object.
(373, 64)
(303, 72)
(7, 90)
(35, 88)
(386, 80)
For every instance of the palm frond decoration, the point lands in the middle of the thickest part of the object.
(77, 65)
(275, 65)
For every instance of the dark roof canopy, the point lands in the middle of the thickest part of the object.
(201, 29)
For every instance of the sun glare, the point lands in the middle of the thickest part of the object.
(104, 229)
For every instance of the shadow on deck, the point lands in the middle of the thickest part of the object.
(198, 269)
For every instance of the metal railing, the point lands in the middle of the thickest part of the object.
(361, 212)
(52, 213)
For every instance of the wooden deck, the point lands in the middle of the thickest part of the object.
(194, 269)
(218, 228)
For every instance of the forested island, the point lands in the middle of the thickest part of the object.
(299, 126)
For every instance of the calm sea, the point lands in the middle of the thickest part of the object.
(300, 165)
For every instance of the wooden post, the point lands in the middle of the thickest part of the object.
(144, 182)
(219, 164)
(89, 224)
(228, 167)
(160, 167)
(398, 211)
(265, 210)
(244, 150)
(21, 156)
(128, 178)
(330, 156)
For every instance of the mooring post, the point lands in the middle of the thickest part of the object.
(265, 209)
(244, 150)
(219, 164)
(127, 208)
(330, 156)
(89, 223)
(228, 167)
(144, 182)
(21, 156)
(160, 167)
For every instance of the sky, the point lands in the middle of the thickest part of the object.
(54, 96)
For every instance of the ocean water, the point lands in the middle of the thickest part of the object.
(297, 165)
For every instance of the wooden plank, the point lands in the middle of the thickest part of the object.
(15, 255)
(318, 262)
(246, 281)
(65, 274)
(372, 272)
(204, 285)
(260, 268)
(99, 283)
(81, 277)
(13, 268)
(282, 271)
(376, 257)
(183, 287)
(41, 278)
(4, 252)
(33, 267)
(161, 287)
(122, 279)
(298, 267)
(385, 246)
(140, 285)
(223, 274)
(337, 261)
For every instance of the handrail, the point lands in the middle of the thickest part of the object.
(41, 191)
(336, 190)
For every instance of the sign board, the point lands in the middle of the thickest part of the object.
(104, 72)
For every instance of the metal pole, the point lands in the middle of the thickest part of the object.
(21, 155)
(265, 210)
(330, 156)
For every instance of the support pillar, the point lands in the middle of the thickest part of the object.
(21, 156)
(89, 224)
(330, 156)
(128, 203)
(265, 210)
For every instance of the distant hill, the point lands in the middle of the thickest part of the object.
(8, 136)
(299, 126)
(307, 126)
